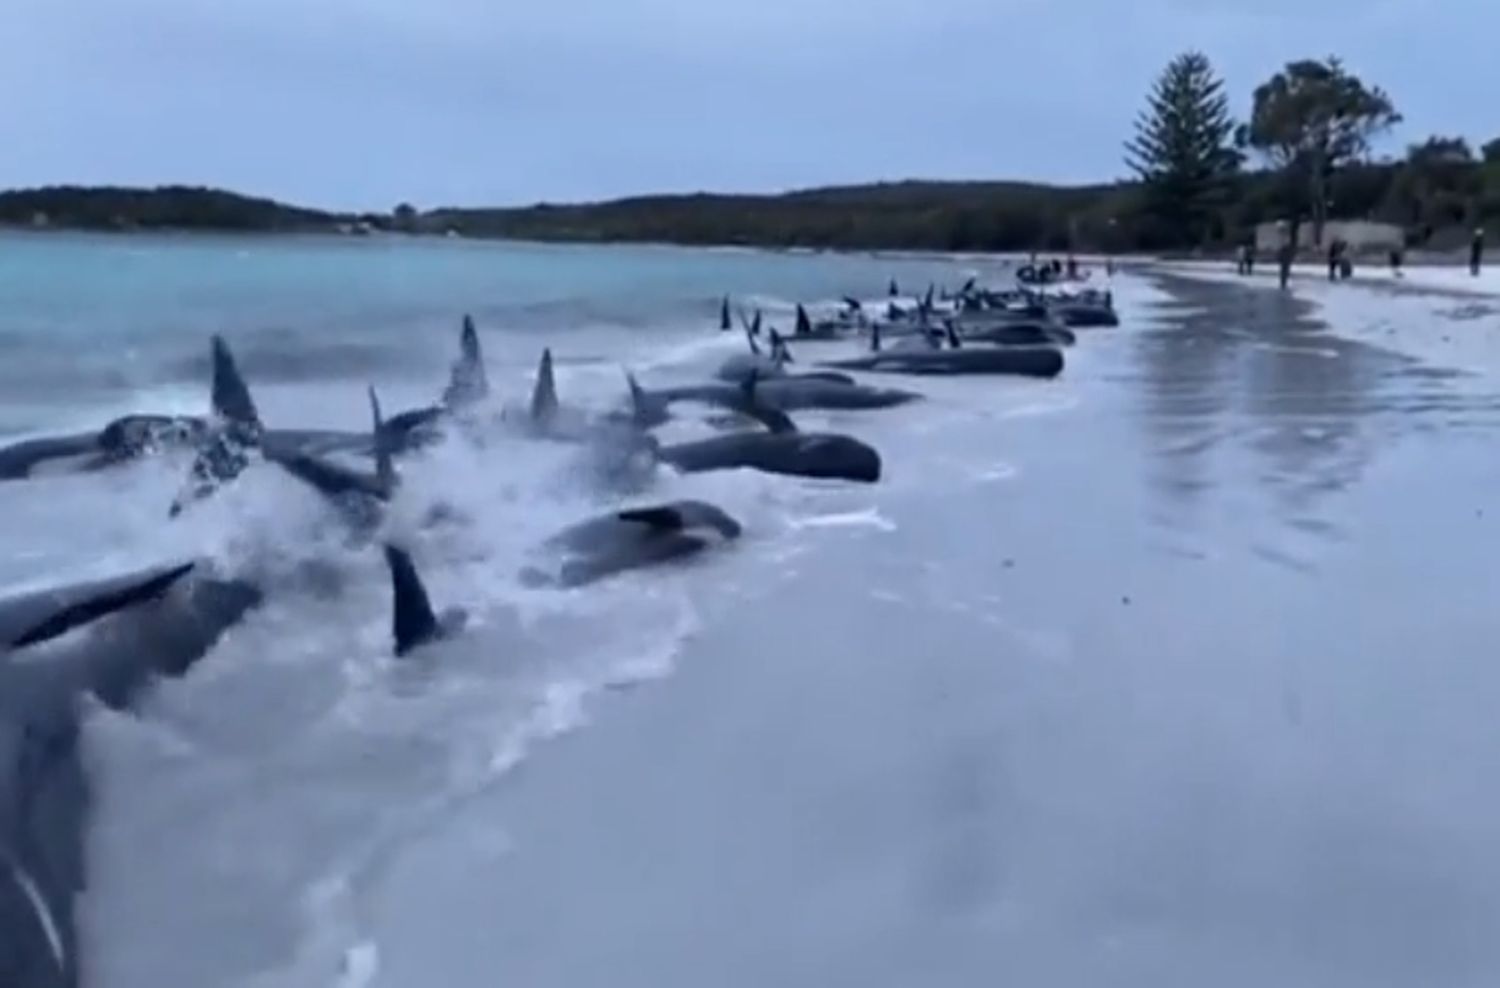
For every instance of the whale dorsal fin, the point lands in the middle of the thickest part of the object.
(663, 517)
(750, 339)
(724, 324)
(875, 337)
(467, 381)
(894, 289)
(755, 324)
(544, 395)
(639, 411)
(231, 395)
(804, 324)
(385, 469)
(412, 621)
(853, 304)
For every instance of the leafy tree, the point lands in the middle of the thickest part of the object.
(404, 217)
(1181, 149)
(1491, 152)
(1312, 118)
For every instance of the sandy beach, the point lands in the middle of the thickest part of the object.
(1201, 694)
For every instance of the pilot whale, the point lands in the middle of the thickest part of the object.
(783, 449)
(630, 539)
(131, 631)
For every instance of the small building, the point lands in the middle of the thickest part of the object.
(1362, 236)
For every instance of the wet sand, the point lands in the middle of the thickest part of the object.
(1201, 692)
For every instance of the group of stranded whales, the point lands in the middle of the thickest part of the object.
(112, 638)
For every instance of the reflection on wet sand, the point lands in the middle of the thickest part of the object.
(1246, 394)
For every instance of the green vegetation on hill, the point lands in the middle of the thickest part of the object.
(929, 215)
(172, 207)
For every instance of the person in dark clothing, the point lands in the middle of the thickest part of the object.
(1250, 257)
(1397, 255)
(1476, 251)
(1284, 263)
(1333, 259)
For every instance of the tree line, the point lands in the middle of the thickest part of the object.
(1201, 180)
(1311, 128)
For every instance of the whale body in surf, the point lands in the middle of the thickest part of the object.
(782, 449)
(1025, 361)
(630, 539)
(131, 437)
(132, 630)
(789, 394)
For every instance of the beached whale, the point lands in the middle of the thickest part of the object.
(1026, 361)
(122, 440)
(1017, 333)
(133, 436)
(140, 627)
(782, 449)
(629, 539)
(789, 394)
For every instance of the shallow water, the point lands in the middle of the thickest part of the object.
(1172, 671)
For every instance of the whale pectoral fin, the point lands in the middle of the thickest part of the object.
(660, 518)
(107, 602)
(413, 622)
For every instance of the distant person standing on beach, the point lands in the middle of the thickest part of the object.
(1250, 257)
(1284, 262)
(1476, 251)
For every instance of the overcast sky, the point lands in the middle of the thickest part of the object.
(364, 103)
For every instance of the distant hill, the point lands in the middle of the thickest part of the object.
(979, 216)
(168, 207)
(931, 215)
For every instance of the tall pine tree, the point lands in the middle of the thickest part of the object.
(1182, 148)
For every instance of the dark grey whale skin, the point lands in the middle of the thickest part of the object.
(1022, 361)
(632, 539)
(135, 629)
